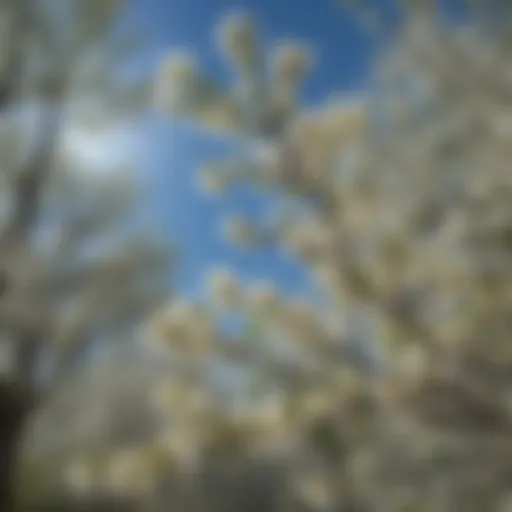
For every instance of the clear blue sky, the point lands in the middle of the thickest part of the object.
(176, 152)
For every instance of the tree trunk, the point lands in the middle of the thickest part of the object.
(13, 412)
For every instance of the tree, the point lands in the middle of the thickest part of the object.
(77, 268)
(401, 208)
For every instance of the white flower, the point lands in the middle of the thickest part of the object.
(179, 325)
(237, 38)
(176, 82)
(238, 231)
(129, 472)
(179, 314)
(291, 62)
(412, 364)
(271, 413)
(326, 276)
(165, 396)
(266, 154)
(223, 286)
(263, 296)
(182, 445)
(310, 240)
(297, 317)
(211, 182)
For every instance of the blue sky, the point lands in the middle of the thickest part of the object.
(176, 152)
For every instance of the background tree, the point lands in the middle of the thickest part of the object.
(78, 269)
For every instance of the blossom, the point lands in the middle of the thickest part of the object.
(239, 231)
(310, 239)
(291, 62)
(263, 296)
(223, 286)
(182, 327)
(128, 471)
(176, 78)
(211, 181)
(182, 445)
(237, 38)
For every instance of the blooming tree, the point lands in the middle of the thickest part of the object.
(399, 203)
